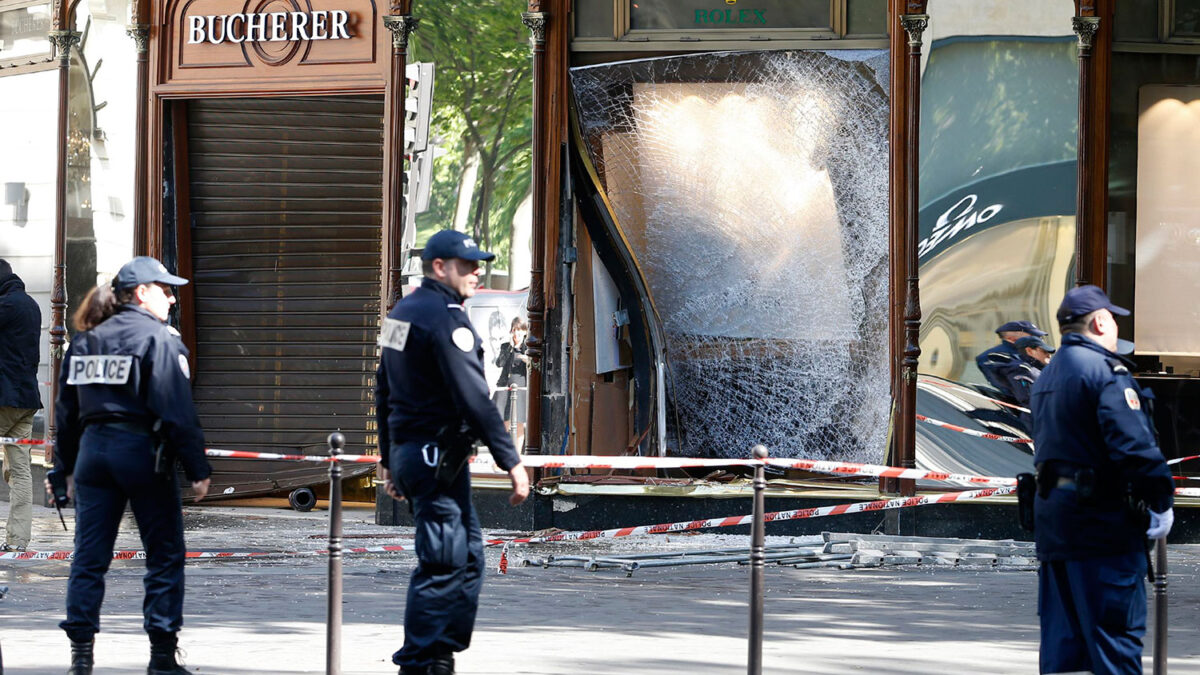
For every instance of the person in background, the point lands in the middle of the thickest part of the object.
(994, 361)
(20, 329)
(510, 397)
(1033, 355)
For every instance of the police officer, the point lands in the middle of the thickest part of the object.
(994, 361)
(431, 392)
(1097, 455)
(124, 392)
(1032, 356)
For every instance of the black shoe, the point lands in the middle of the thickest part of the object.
(81, 657)
(162, 655)
(442, 665)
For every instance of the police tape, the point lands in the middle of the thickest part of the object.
(247, 454)
(193, 556)
(8, 440)
(733, 521)
(972, 432)
(1182, 459)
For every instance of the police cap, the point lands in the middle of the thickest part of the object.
(1021, 327)
(145, 270)
(452, 244)
(1083, 300)
(1032, 342)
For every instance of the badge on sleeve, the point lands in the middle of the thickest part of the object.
(183, 365)
(463, 338)
(394, 334)
(1131, 397)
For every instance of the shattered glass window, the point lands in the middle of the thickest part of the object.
(752, 188)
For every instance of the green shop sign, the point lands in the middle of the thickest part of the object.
(714, 14)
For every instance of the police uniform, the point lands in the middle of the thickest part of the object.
(1095, 450)
(119, 381)
(997, 362)
(430, 378)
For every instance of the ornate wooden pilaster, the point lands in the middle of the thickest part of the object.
(914, 25)
(64, 38)
(401, 24)
(139, 30)
(1085, 24)
(537, 20)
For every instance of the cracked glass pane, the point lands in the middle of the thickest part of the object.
(752, 188)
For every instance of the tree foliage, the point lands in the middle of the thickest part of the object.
(482, 107)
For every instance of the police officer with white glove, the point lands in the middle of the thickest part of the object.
(125, 397)
(1097, 453)
(431, 400)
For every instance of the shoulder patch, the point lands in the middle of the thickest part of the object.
(463, 338)
(183, 366)
(394, 334)
(1131, 398)
(99, 369)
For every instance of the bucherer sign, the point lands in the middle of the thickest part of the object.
(269, 27)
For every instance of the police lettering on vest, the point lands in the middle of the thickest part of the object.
(99, 369)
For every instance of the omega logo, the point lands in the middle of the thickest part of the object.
(964, 217)
(269, 27)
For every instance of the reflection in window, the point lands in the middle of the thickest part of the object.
(23, 33)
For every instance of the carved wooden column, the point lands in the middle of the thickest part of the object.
(1085, 24)
(64, 38)
(536, 21)
(401, 23)
(139, 30)
(914, 25)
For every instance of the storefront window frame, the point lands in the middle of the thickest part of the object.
(624, 37)
(30, 63)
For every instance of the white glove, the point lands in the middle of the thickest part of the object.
(1160, 524)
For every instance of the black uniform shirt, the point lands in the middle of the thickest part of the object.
(1089, 413)
(431, 375)
(993, 362)
(131, 368)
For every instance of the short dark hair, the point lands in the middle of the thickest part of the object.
(427, 267)
(1077, 325)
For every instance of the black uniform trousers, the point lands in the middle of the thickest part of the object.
(1093, 614)
(443, 593)
(116, 467)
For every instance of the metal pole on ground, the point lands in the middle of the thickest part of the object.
(758, 562)
(1160, 606)
(333, 622)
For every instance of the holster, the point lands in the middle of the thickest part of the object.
(1026, 490)
(457, 445)
(164, 459)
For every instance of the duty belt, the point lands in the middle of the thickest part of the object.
(120, 425)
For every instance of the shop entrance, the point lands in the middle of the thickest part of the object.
(285, 199)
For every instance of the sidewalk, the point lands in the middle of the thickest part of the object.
(268, 616)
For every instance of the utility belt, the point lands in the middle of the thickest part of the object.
(1092, 489)
(164, 459)
(447, 454)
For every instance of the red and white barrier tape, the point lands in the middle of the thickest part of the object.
(7, 440)
(972, 432)
(798, 514)
(246, 454)
(202, 555)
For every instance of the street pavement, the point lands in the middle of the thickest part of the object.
(268, 616)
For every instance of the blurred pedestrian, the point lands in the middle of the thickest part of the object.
(510, 397)
(1103, 489)
(20, 330)
(432, 403)
(994, 361)
(1033, 355)
(125, 416)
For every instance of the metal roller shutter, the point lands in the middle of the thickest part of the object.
(286, 204)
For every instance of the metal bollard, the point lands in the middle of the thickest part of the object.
(333, 617)
(758, 563)
(1160, 606)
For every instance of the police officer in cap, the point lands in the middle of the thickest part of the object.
(1103, 488)
(1033, 355)
(995, 361)
(431, 400)
(124, 398)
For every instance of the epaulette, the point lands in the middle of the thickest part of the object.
(1118, 365)
(173, 331)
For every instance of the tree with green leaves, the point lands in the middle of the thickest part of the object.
(482, 112)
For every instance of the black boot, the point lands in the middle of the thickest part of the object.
(442, 665)
(162, 655)
(81, 657)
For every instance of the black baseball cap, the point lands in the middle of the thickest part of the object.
(145, 270)
(1021, 327)
(1084, 300)
(1030, 341)
(453, 244)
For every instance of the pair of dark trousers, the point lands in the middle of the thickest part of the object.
(443, 593)
(1093, 614)
(116, 468)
